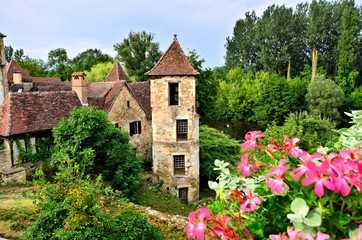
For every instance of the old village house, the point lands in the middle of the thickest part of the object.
(159, 115)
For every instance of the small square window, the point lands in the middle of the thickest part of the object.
(182, 194)
(181, 130)
(135, 128)
(174, 93)
(179, 165)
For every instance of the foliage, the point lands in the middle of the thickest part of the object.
(132, 225)
(351, 137)
(99, 72)
(33, 153)
(313, 131)
(138, 53)
(84, 61)
(286, 186)
(324, 98)
(98, 147)
(71, 208)
(215, 145)
(59, 64)
(9, 51)
(206, 87)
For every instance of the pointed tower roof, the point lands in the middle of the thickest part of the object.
(173, 63)
(14, 67)
(117, 74)
(2, 35)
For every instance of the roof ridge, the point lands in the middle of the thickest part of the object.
(135, 97)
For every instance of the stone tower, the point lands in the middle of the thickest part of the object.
(3, 81)
(175, 124)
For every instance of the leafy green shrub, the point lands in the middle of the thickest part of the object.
(216, 145)
(98, 147)
(313, 131)
(131, 225)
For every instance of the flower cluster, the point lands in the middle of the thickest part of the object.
(290, 173)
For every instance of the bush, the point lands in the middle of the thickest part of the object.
(131, 225)
(313, 131)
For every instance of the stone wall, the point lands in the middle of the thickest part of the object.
(165, 144)
(124, 113)
(5, 161)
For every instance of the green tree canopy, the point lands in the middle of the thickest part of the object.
(97, 146)
(99, 72)
(59, 64)
(84, 61)
(138, 53)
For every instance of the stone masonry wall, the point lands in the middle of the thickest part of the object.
(165, 144)
(123, 115)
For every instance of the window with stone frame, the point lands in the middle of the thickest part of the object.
(135, 128)
(128, 104)
(181, 130)
(182, 194)
(174, 93)
(179, 165)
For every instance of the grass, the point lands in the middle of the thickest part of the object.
(17, 211)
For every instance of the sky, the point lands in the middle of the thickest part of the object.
(39, 26)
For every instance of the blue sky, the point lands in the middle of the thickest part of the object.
(38, 26)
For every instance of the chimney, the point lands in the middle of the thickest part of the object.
(17, 78)
(79, 85)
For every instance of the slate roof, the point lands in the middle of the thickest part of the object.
(173, 62)
(35, 111)
(142, 93)
(117, 74)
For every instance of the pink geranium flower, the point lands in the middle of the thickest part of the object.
(277, 173)
(320, 236)
(292, 235)
(197, 223)
(251, 202)
(245, 166)
(291, 147)
(251, 138)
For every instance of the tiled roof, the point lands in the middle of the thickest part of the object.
(52, 86)
(14, 67)
(2, 35)
(35, 111)
(173, 63)
(102, 94)
(142, 93)
(46, 79)
(117, 74)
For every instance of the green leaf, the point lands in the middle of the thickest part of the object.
(299, 207)
(294, 218)
(313, 220)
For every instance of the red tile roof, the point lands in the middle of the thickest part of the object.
(46, 79)
(14, 67)
(173, 63)
(117, 74)
(142, 93)
(102, 94)
(30, 112)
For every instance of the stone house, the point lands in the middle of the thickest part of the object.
(159, 116)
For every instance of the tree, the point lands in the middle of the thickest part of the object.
(59, 64)
(98, 147)
(138, 53)
(206, 87)
(84, 61)
(36, 67)
(216, 145)
(9, 52)
(99, 72)
(324, 98)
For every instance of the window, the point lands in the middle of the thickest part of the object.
(181, 129)
(128, 104)
(179, 165)
(116, 125)
(174, 93)
(135, 128)
(182, 194)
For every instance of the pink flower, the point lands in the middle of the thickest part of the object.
(196, 226)
(320, 236)
(251, 203)
(305, 160)
(315, 174)
(277, 172)
(291, 147)
(245, 166)
(250, 138)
